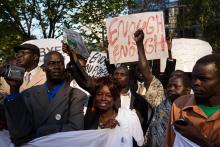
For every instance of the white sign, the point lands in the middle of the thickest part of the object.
(120, 32)
(187, 52)
(47, 45)
(95, 66)
(85, 138)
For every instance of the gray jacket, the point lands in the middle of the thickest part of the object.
(31, 115)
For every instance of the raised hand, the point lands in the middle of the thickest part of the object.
(71, 53)
(139, 36)
(65, 48)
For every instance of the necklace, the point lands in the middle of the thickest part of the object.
(103, 121)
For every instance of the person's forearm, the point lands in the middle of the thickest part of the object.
(143, 63)
(170, 54)
(85, 81)
(110, 67)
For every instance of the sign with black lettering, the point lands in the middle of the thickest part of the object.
(95, 66)
(47, 45)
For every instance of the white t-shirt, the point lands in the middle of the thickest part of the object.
(126, 100)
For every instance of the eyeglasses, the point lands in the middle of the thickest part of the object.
(22, 53)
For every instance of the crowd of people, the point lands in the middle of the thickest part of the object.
(54, 98)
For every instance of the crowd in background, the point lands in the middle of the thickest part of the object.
(51, 98)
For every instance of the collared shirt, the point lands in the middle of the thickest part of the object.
(32, 72)
(185, 107)
(141, 88)
(51, 93)
(126, 100)
(12, 96)
(4, 89)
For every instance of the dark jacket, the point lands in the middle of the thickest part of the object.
(170, 67)
(31, 115)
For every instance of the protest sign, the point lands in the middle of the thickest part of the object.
(187, 52)
(120, 32)
(95, 66)
(75, 42)
(47, 45)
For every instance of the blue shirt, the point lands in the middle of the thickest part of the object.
(12, 96)
(51, 93)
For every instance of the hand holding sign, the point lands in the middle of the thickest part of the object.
(71, 53)
(75, 42)
(65, 48)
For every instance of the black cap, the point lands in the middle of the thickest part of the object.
(28, 46)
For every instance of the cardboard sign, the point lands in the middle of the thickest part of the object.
(75, 42)
(187, 52)
(47, 45)
(95, 66)
(120, 32)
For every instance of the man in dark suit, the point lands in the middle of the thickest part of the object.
(45, 109)
(129, 99)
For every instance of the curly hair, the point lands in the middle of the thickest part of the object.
(107, 81)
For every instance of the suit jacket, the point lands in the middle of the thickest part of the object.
(4, 87)
(143, 109)
(31, 115)
(37, 79)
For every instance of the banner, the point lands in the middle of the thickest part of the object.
(85, 138)
(120, 136)
(47, 45)
(187, 52)
(120, 32)
(95, 66)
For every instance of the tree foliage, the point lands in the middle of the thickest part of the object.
(43, 15)
(89, 19)
(206, 15)
(25, 19)
(22, 20)
(139, 6)
(9, 37)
